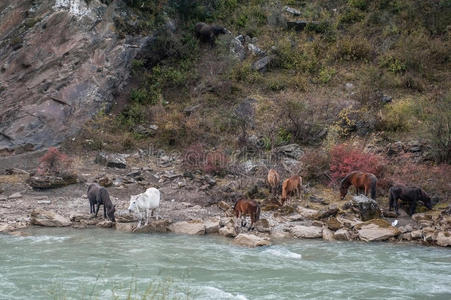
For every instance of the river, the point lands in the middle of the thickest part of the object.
(64, 263)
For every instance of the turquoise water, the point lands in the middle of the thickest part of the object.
(105, 264)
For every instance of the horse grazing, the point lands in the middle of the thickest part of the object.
(273, 180)
(244, 207)
(142, 203)
(408, 194)
(208, 33)
(99, 195)
(362, 181)
(291, 185)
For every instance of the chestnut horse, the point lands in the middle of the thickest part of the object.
(362, 181)
(273, 180)
(291, 185)
(410, 195)
(244, 207)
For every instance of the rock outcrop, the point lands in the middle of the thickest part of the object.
(191, 227)
(250, 240)
(48, 218)
(366, 207)
(376, 230)
(64, 61)
(307, 232)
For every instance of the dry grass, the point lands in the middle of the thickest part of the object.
(13, 179)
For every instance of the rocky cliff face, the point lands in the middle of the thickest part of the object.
(60, 63)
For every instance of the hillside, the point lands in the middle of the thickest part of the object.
(371, 77)
(354, 84)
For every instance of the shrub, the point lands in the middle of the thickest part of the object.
(53, 162)
(353, 49)
(360, 4)
(398, 116)
(197, 158)
(439, 128)
(345, 158)
(315, 165)
(351, 16)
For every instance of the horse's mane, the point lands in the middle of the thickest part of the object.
(346, 179)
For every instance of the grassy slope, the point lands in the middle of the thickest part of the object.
(398, 48)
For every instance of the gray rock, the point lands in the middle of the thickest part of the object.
(111, 160)
(367, 208)
(237, 48)
(262, 63)
(342, 235)
(376, 230)
(298, 25)
(328, 235)
(191, 227)
(15, 196)
(250, 240)
(386, 99)
(50, 182)
(293, 151)
(255, 50)
(291, 10)
(307, 232)
(48, 218)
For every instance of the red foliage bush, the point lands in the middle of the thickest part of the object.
(345, 158)
(212, 162)
(53, 162)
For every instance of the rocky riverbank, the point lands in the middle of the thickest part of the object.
(193, 203)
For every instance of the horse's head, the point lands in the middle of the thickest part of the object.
(426, 199)
(110, 214)
(133, 206)
(217, 30)
(344, 186)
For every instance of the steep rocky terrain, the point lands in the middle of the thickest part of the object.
(60, 63)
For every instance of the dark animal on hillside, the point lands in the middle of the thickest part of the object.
(244, 207)
(410, 195)
(99, 195)
(362, 181)
(273, 180)
(291, 186)
(208, 33)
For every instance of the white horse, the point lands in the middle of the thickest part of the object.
(142, 203)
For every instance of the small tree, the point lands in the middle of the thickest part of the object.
(53, 162)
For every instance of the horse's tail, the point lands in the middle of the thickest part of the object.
(373, 187)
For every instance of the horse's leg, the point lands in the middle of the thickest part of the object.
(104, 211)
(97, 210)
(413, 206)
(395, 199)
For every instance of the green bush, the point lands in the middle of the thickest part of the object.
(360, 4)
(399, 116)
(353, 49)
(351, 16)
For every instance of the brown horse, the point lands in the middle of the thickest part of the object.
(273, 180)
(362, 181)
(244, 207)
(410, 195)
(291, 185)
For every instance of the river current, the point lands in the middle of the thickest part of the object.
(104, 264)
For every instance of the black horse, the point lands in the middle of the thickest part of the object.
(410, 195)
(99, 195)
(208, 33)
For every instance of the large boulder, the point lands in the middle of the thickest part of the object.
(444, 239)
(50, 182)
(376, 230)
(112, 160)
(306, 232)
(262, 63)
(160, 226)
(263, 225)
(188, 227)
(328, 235)
(125, 227)
(307, 213)
(48, 218)
(331, 210)
(105, 224)
(342, 235)
(367, 208)
(211, 225)
(333, 223)
(293, 151)
(250, 240)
